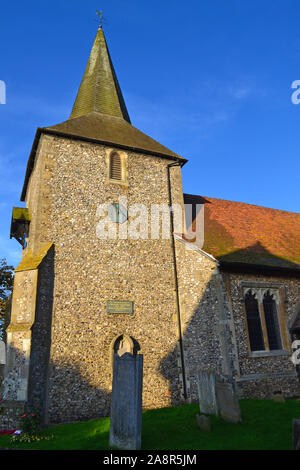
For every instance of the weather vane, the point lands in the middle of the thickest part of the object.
(101, 20)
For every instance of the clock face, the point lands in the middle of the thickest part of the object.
(117, 213)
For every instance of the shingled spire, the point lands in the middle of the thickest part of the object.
(99, 89)
(99, 113)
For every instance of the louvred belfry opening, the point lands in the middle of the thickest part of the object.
(115, 167)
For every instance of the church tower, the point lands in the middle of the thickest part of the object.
(93, 274)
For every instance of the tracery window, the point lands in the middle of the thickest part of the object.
(262, 307)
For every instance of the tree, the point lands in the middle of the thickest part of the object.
(6, 287)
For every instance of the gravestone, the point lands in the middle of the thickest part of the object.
(126, 402)
(2, 353)
(206, 381)
(203, 422)
(296, 434)
(2, 360)
(228, 403)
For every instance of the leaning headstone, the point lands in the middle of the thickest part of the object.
(206, 382)
(228, 403)
(2, 353)
(126, 402)
(296, 434)
(203, 422)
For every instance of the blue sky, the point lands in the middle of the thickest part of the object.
(210, 80)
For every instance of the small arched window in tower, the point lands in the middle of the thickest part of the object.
(272, 324)
(254, 324)
(115, 167)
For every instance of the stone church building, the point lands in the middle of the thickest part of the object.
(227, 299)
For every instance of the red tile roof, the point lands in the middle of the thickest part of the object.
(236, 232)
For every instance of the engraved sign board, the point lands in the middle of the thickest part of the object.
(119, 306)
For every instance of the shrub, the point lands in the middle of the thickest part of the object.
(29, 423)
(29, 426)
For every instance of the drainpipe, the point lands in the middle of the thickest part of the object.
(176, 279)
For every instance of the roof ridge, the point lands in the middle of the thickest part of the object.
(240, 202)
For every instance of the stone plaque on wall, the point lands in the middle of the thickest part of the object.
(119, 306)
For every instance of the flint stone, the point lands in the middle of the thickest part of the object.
(126, 402)
(296, 434)
(228, 403)
(203, 422)
(206, 382)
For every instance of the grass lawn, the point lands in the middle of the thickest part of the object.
(266, 426)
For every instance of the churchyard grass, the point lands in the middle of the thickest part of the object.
(266, 425)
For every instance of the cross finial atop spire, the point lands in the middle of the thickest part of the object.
(101, 19)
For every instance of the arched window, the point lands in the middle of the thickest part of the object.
(272, 324)
(115, 167)
(254, 323)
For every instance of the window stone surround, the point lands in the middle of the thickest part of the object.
(277, 291)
